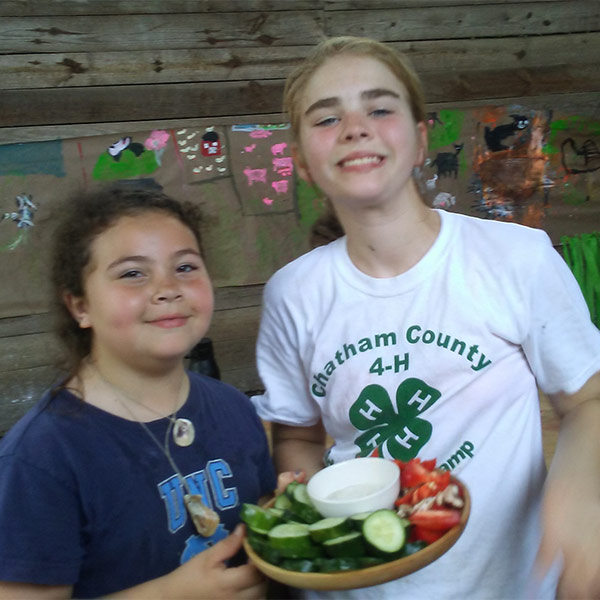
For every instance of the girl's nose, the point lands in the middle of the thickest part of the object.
(166, 291)
(356, 127)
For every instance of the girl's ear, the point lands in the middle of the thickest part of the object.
(77, 306)
(300, 162)
(423, 142)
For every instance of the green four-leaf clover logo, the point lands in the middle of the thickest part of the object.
(402, 432)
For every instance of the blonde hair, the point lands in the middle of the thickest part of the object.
(336, 46)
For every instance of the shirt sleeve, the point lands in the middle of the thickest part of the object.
(562, 344)
(287, 399)
(40, 521)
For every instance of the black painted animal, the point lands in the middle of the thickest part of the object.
(494, 138)
(447, 162)
(125, 143)
(582, 159)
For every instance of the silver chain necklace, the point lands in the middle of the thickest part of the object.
(184, 431)
(204, 518)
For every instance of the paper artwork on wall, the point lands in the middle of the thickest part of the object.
(512, 163)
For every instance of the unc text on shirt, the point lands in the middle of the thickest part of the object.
(415, 334)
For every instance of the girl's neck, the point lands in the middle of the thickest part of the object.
(387, 241)
(126, 391)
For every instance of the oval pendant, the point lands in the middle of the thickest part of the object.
(183, 432)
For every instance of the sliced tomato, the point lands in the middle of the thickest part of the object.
(425, 490)
(429, 464)
(441, 478)
(436, 519)
(413, 473)
(427, 535)
(407, 498)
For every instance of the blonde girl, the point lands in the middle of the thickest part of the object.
(426, 333)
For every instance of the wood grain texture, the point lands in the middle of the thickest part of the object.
(140, 67)
(96, 33)
(27, 8)
(461, 21)
(29, 351)
(148, 103)
(98, 104)
(581, 103)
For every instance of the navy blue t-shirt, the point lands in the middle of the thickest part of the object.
(88, 499)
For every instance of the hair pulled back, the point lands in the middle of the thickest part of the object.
(336, 46)
(327, 227)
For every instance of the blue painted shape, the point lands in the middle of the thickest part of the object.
(33, 158)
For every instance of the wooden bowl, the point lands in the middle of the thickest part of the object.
(370, 575)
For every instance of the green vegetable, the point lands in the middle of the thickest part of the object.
(384, 532)
(295, 536)
(282, 502)
(261, 546)
(302, 506)
(292, 540)
(289, 490)
(326, 529)
(333, 565)
(260, 520)
(351, 545)
(358, 519)
(298, 564)
(412, 547)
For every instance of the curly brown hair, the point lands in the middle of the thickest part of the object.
(85, 216)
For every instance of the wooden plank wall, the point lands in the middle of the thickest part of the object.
(70, 68)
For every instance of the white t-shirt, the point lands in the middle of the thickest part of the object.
(442, 361)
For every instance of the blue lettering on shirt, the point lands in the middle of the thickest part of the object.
(224, 497)
(171, 492)
(196, 543)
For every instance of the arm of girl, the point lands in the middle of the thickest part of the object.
(571, 510)
(298, 448)
(206, 576)
(15, 590)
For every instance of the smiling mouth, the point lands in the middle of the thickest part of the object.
(170, 322)
(360, 161)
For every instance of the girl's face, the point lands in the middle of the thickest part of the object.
(358, 140)
(148, 298)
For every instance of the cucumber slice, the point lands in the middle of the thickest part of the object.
(335, 565)
(282, 501)
(370, 561)
(326, 529)
(303, 565)
(412, 547)
(291, 486)
(262, 547)
(278, 512)
(292, 540)
(300, 494)
(351, 545)
(384, 532)
(358, 519)
(258, 519)
(305, 512)
(301, 505)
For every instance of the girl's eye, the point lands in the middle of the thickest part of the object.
(381, 112)
(326, 121)
(187, 268)
(131, 274)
